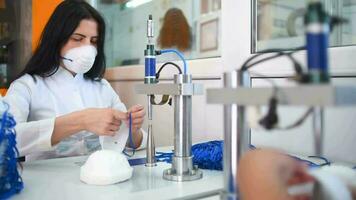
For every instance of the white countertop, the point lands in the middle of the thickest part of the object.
(59, 179)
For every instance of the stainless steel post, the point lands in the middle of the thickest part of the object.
(150, 148)
(182, 161)
(236, 135)
(318, 128)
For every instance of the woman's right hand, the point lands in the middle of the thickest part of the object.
(103, 121)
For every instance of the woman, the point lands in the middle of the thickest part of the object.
(60, 101)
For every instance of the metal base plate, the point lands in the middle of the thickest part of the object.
(151, 164)
(193, 174)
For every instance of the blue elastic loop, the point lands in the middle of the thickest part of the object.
(10, 181)
(130, 138)
(326, 161)
(308, 162)
(179, 54)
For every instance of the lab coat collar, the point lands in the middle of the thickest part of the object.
(64, 74)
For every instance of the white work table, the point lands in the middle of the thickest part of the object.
(59, 179)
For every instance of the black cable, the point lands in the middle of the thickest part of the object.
(164, 65)
(165, 98)
(327, 162)
(297, 67)
(280, 52)
(271, 119)
(299, 121)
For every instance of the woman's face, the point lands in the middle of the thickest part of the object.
(85, 34)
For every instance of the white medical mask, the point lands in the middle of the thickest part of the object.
(80, 59)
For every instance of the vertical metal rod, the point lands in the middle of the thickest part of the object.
(149, 107)
(236, 135)
(183, 121)
(182, 161)
(318, 128)
(150, 78)
(150, 148)
(243, 130)
(183, 133)
(230, 146)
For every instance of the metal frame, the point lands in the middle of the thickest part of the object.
(237, 95)
(182, 89)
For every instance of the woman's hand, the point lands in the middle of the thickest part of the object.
(137, 116)
(103, 121)
(267, 174)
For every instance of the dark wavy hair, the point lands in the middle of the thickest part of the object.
(61, 25)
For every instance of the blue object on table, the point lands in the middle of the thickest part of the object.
(10, 180)
(207, 155)
(137, 161)
(130, 139)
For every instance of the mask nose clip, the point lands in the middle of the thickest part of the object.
(64, 58)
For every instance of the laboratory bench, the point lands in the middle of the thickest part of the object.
(59, 179)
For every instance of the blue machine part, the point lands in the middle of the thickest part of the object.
(317, 47)
(150, 66)
(317, 23)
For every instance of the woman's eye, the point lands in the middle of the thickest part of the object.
(77, 39)
(94, 41)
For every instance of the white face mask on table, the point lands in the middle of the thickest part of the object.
(80, 59)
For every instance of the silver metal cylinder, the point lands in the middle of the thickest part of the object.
(150, 147)
(182, 161)
(150, 27)
(149, 107)
(318, 129)
(182, 120)
(236, 135)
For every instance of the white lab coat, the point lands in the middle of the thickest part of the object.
(36, 104)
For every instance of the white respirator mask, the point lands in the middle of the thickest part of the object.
(81, 59)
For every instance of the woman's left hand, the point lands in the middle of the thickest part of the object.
(138, 114)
